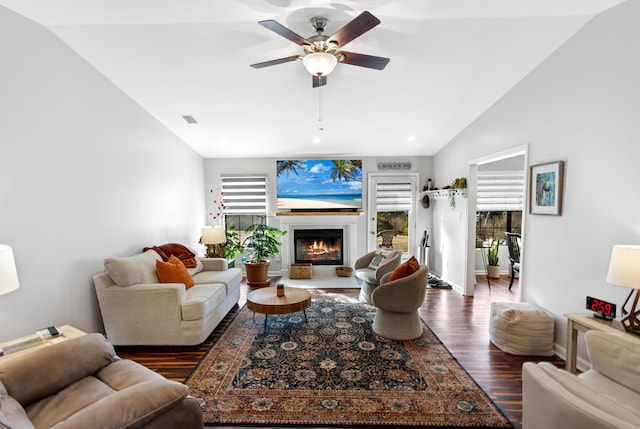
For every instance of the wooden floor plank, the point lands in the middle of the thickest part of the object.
(461, 323)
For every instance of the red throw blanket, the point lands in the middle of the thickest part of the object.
(181, 252)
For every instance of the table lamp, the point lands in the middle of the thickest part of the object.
(624, 270)
(213, 237)
(8, 273)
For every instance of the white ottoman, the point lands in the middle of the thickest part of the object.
(520, 328)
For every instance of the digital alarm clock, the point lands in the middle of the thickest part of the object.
(602, 309)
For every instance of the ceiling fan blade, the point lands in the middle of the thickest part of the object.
(274, 62)
(276, 27)
(319, 81)
(358, 26)
(362, 60)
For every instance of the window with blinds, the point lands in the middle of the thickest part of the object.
(244, 194)
(393, 196)
(500, 191)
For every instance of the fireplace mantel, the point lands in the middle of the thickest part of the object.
(347, 222)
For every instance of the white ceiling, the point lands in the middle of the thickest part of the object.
(450, 61)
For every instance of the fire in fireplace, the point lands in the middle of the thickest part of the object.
(318, 246)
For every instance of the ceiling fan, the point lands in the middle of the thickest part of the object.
(321, 53)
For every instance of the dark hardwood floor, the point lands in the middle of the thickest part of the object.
(461, 323)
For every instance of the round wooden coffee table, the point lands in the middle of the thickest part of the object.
(265, 301)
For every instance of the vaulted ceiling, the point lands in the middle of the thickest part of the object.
(450, 61)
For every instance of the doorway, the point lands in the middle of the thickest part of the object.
(392, 208)
(512, 159)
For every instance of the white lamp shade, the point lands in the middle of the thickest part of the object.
(8, 273)
(213, 235)
(319, 63)
(624, 267)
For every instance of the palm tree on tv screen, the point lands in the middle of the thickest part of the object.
(346, 170)
(289, 166)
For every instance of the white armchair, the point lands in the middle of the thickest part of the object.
(397, 303)
(370, 275)
(606, 396)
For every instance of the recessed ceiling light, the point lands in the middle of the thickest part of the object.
(411, 139)
(316, 140)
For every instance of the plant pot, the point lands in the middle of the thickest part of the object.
(257, 274)
(493, 271)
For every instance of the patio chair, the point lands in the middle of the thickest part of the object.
(513, 243)
(387, 238)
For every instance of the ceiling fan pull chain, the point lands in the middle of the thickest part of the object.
(320, 110)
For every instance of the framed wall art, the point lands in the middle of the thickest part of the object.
(546, 188)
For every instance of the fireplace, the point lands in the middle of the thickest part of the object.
(318, 246)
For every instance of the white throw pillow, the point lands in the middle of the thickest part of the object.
(376, 260)
(136, 269)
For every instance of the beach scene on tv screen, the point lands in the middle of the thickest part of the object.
(319, 184)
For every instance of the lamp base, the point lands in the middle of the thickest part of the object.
(215, 251)
(630, 320)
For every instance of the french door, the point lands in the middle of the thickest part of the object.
(391, 211)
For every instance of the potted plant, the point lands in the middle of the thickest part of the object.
(263, 243)
(456, 186)
(493, 269)
(232, 245)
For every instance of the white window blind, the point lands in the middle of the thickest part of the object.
(244, 194)
(393, 196)
(500, 191)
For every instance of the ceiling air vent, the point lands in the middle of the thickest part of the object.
(189, 119)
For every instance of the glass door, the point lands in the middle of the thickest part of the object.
(392, 207)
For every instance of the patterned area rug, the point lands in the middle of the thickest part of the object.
(332, 370)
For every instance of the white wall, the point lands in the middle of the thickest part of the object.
(214, 168)
(580, 106)
(448, 238)
(85, 173)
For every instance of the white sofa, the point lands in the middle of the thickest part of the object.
(605, 396)
(139, 310)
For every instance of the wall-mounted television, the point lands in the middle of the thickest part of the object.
(319, 185)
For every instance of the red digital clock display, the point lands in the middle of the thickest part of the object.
(602, 308)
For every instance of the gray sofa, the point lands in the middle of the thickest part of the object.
(139, 310)
(82, 383)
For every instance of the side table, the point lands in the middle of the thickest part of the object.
(266, 301)
(28, 343)
(583, 322)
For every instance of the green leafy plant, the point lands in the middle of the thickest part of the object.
(263, 242)
(492, 253)
(459, 183)
(452, 198)
(232, 246)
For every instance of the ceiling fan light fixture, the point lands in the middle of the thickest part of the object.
(319, 63)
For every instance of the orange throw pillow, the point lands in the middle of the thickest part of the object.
(174, 271)
(406, 268)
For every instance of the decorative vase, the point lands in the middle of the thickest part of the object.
(493, 271)
(257, 274)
